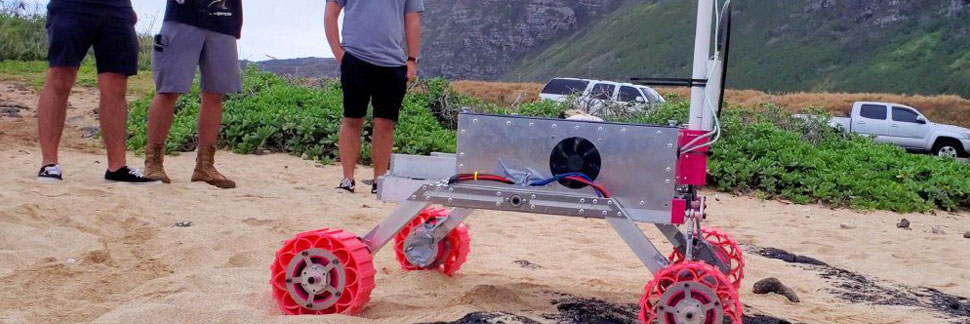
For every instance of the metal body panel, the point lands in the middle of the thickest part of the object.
(514, 199)
(637, 166)
(435, 167)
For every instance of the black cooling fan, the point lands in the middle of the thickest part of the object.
(575, 154)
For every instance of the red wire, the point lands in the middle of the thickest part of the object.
(484, 177)
(492, 177)
(606, 194)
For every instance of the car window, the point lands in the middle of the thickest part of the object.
(602, 91)
(629, 94)
(565, 87)
(905, 115)
(873, 112)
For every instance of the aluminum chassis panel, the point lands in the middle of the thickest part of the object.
(638, 161)
(419, 181)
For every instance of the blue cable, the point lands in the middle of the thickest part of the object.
(559, 177)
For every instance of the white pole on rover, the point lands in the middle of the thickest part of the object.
(702, 53)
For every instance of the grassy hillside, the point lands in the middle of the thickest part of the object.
(917, 47)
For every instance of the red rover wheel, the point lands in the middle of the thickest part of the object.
(327, 271)
(726, 249)
(412, 246)
(690, 292)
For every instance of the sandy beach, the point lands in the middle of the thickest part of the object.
(87, 251)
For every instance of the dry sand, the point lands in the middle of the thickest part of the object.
(86, 251)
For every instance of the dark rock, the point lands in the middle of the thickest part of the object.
(966, 235)
(527, 264)
(762, 319)
(90, 131)
(491, 318)
(576, 310)
(773, 285)
(903, 223)
(779, 254)
(9, 111)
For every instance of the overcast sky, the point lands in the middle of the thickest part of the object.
(276, 28)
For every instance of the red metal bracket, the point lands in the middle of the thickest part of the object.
(678, 211)
(692, 166)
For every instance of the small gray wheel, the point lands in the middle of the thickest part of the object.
(315, 278)
(690, 303)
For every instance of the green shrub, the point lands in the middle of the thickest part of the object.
(23, 35)
(274, 115)
(762, 151)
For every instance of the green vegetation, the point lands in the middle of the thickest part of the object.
(275, 115)
(23, 48)
(916, 48)
(763, 151)
(22, 33)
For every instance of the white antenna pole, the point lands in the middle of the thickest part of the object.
(702, 53)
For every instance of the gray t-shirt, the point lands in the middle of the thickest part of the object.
(373, 30)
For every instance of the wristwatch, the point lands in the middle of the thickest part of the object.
(413, 59)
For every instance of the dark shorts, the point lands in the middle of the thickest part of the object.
(73, 28)
(364, 83)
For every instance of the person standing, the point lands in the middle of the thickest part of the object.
(375, 67)
(196, 34)
(74, 27)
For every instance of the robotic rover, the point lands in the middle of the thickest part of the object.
(621, 173)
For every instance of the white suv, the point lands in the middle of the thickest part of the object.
(592, 95)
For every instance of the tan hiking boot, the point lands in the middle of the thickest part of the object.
(154, 160)
(205, 169)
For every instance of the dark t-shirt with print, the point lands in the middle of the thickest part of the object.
(221, 16)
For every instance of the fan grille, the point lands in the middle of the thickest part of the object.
(575, 154)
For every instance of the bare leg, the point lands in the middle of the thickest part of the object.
(383, 145)
(114, 116)
(52, 110)
(160, 117)
(350, 144)
(210, 118)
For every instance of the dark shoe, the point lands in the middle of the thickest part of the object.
(347, 185)
(50, 173)
(128, 175)
(373, 188)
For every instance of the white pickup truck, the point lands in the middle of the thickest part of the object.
(907, 127)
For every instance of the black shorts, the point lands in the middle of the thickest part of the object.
(365, 83)
(73, 28)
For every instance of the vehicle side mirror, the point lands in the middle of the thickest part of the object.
(641, 100)
(921, 120)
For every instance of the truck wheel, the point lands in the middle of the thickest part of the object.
(948, 149)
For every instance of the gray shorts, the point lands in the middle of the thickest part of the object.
(180, 48)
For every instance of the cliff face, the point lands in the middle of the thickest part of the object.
(483, 39)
